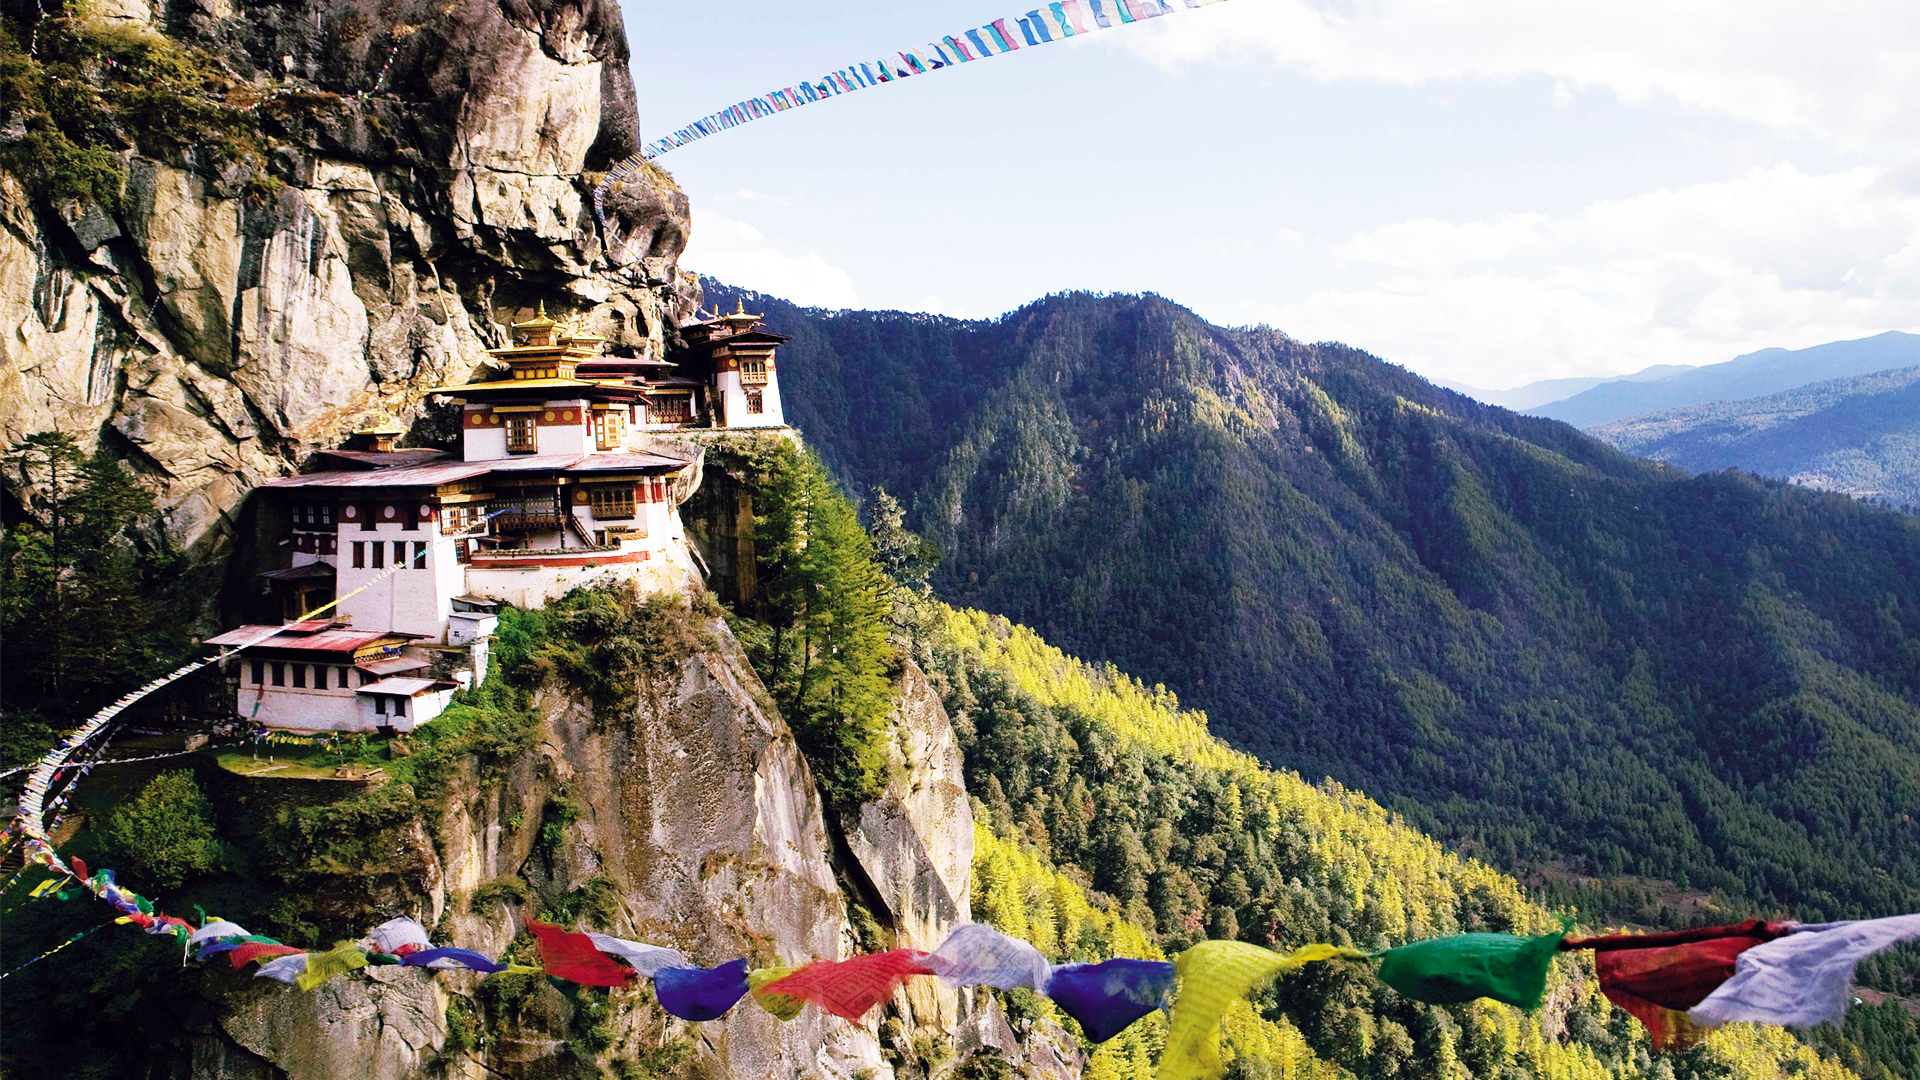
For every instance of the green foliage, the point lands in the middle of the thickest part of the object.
(79, 617)
(826, 657)
(559, 813)
(617, 646)
(1532, 646)
(97, 86)
(166, 834)
(1124, 829)
(509, 890)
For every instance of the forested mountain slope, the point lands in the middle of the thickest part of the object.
(1859, 435)
(1532, 645)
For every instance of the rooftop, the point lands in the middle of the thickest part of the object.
(334, 639)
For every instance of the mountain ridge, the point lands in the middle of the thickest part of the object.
(1524, 640)
(1858, 435)
(1754, 374)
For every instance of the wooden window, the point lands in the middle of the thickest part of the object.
(380, 704)
(279, 673)
(610, 428)
(673, 409)
(756, 401)
(340, 677)
(259, 672)
(300, 676)
(324, 514)
(359, 554)
(399, 553)
(420, 554)
(366, 678)
(612, 502)
(753, 372)
(399, 706)
(367, 515)
(520, 438)
(379, 555)
(460, 553)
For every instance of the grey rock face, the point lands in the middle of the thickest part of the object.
(916, 842)
(215, 335)
(700, 811)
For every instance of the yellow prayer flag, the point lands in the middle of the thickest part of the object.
(336, 961)
(784, 1006)
(1212, 975)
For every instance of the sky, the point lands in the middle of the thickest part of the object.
(1487, 191)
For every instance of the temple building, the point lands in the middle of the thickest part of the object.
(560, 481)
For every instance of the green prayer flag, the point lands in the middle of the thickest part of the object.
(1451, 970)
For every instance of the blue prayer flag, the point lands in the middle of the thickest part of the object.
(701, 993)
(1026, 27)
(1107, 997)
(451, 957)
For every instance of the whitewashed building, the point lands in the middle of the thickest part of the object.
(419, 547)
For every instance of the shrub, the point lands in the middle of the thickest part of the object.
(167, 833)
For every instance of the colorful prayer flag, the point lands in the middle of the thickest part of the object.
(646, 959)
(323, 966)
(1108, 996)
(978, 955)
(1658, 977)
(573, 957)
(1451, 970)
(390, 936)
(1002, 35)
(781, 1006)
(447, 957)
(1212, 975)
(1805, 978)
(850, 988)
(701, 994)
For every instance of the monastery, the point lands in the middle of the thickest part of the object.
(561, 480)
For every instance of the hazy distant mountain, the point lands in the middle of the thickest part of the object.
(1860, 435)
(1536, 394)
(1756, 374)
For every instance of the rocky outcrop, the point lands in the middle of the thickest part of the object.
(699, 821)
(426, 181)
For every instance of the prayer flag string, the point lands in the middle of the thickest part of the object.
(1048, 23)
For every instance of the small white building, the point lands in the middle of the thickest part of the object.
(323, 675)
(420, 547)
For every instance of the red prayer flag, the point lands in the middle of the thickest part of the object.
(850, 988)
(570, 956)
(243, 955)
(80, 869)
(1658, 977)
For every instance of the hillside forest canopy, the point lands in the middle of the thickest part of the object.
(1651, 690)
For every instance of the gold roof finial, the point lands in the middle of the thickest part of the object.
(741, 315)
(538, 320)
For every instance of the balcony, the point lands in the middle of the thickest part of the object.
(527, 515)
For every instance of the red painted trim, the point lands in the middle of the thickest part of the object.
(533, 562)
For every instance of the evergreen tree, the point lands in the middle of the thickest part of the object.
(827, 657)
(78, 615)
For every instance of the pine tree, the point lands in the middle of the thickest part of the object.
(827, 657)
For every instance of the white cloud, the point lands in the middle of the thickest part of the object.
(1847, 72)
(739, 254)
(1689, 275)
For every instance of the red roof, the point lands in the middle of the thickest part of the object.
(289, 637)
(383, 459)
(430, 475)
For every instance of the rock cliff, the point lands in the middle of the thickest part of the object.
(415, 176)
(697, 818)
